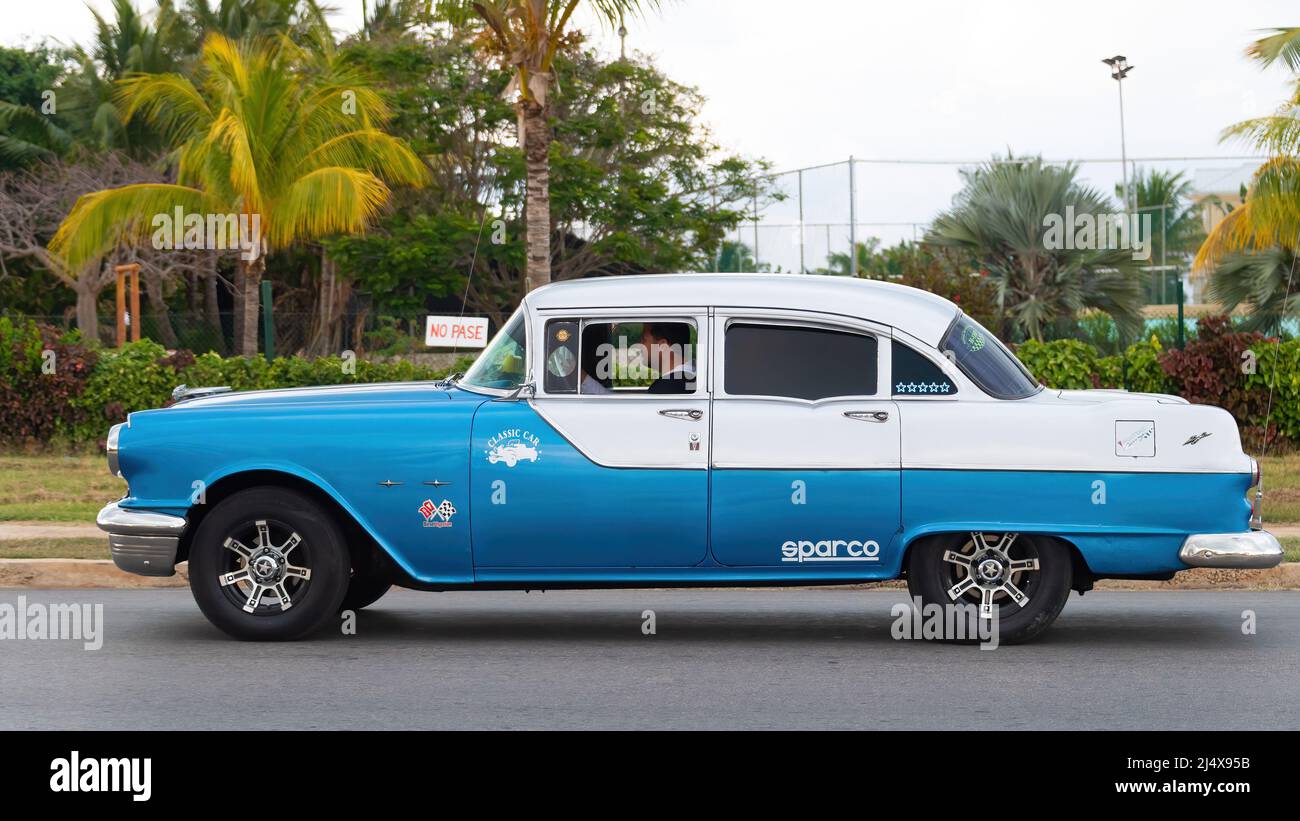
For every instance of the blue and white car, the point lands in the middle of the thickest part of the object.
(683, 430)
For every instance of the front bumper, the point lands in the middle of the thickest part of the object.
(143, 542)
(1253, 549)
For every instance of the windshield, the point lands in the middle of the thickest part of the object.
(988, 363)
(503, 362)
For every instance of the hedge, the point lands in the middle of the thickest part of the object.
(74, 394)
(54, 387)
(1220, 366)
(1074, 365)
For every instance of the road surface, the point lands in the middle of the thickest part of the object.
(719, 659)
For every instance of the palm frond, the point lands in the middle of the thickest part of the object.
(99, 221)
(326, 201)
(1283, 44)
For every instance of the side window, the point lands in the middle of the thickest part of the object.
(562, 356)
(600, 356)
(914, 375)
(798, 362)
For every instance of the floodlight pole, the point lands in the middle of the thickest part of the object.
(1119, 69)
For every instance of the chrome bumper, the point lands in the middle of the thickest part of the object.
(1252, 549)
(143, 542)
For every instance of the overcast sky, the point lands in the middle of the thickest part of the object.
(813, 82)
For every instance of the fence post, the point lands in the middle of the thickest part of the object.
(802, 268)
(853, 222)
(1182, 341)
(268, 321)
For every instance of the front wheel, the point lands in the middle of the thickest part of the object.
(269, 564)
(1025, 578)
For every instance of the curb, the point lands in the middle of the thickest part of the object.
(82, 573)
(92, 573)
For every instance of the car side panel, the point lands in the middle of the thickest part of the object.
(1122, 523)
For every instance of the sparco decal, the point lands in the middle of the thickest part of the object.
(830, 550)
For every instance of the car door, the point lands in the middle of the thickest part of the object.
(576, 479)
(805, 451)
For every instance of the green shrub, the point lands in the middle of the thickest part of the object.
(1061, 363)
(42, 373)
(1142, 370)
(136, 376)
(1278, 365)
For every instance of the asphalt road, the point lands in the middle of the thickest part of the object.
(719, 659)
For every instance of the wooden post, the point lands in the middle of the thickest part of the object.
(133, 269)
(121, 307)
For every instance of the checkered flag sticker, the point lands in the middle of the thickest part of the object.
(446, 510)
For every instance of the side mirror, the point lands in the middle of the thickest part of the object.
(525, 389)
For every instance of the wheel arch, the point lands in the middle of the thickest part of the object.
(366, 551)
(1081, 574)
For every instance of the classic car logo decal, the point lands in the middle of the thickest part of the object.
(439, 516)
(830, 550)
(1196, 437)
(1135, 437)
(513, 446)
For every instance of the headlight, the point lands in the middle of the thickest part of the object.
(111, 448)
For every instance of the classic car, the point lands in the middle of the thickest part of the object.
(832, 430)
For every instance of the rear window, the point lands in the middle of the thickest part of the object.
(982, 357)
(798, 362)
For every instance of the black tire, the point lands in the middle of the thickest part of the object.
(222, 577)
(364, 591)
(930, 576)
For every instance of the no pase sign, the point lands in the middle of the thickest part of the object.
(455, 331)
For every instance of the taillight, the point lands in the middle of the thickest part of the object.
(1254, 473)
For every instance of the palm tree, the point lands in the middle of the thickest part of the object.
(262, 133)
(1002, 215)
(527, 34)
(1258, 279)
(27, 136)
(1181, 231)
(1270, 215)
(126, 44)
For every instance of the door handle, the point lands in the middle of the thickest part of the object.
(681, 413)
(868, 416)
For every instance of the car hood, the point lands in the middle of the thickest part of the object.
(326, 396)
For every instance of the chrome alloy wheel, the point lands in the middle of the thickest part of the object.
(258, 578)
(985, 570)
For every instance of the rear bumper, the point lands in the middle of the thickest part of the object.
(1252, 549)
(143, 542)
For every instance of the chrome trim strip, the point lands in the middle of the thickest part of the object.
(111, 449)
(113, 518)
(1253, 549)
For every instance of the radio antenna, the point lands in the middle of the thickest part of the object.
(469, 276)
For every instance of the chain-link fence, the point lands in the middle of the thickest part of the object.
(815, 216)
(291, 334)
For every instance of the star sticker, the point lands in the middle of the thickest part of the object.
(900, 388)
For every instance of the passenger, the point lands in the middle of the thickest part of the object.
(669, 347)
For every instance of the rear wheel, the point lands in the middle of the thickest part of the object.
(269, 564)
(1025, 578)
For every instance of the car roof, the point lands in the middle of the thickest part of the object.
(920, 313)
